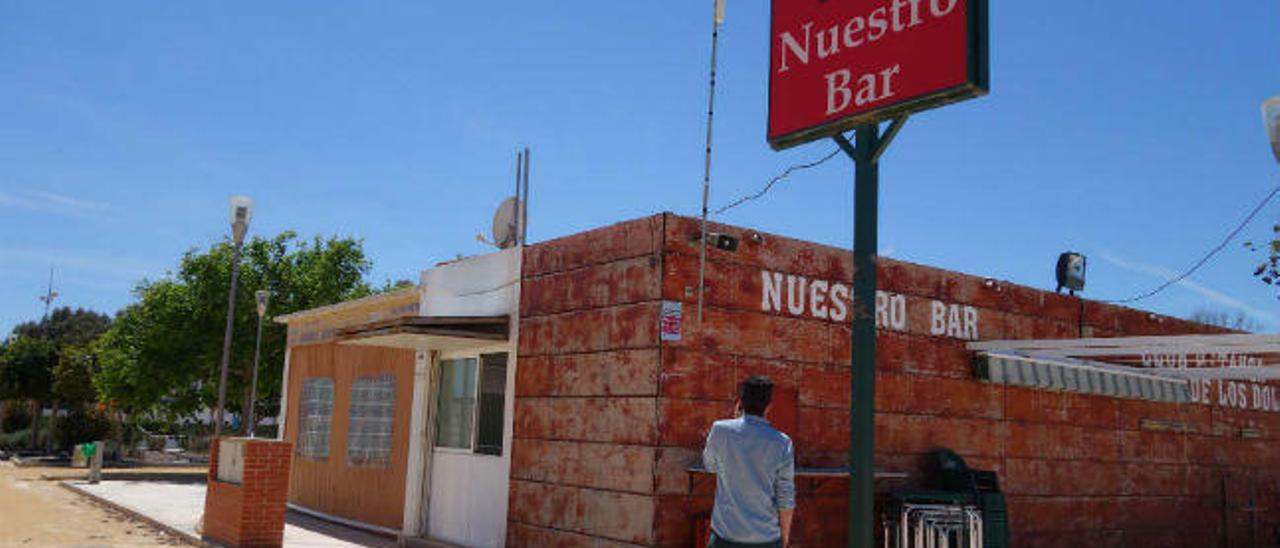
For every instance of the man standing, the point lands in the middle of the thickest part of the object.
(755, 474)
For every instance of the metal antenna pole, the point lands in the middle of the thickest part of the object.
(706, 171)
(519, 195)
(48, 298)
(524, 204)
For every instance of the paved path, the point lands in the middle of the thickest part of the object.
(178, 505)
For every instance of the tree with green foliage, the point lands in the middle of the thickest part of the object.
(46, 363)
(1268, 271)
(73, 376)
(162, 354)
(26, 369)
(26, 373)
(66, 327)
(40, 345)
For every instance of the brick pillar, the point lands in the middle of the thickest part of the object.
(248, 489)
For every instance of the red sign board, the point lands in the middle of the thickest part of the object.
(836, 64)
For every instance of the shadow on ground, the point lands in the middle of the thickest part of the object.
(129, 475)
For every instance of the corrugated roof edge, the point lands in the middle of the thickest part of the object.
(345, 306)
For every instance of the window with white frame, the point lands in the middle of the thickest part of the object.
(372, 414)
(493, 401)
(471, 403)
(315, 416)
(456, 402)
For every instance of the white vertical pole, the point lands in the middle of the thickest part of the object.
(415, 487)
(284, 394)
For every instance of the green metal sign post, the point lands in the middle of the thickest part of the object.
(815, 94)
(865, 153)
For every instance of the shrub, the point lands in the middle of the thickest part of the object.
(81, 426)
(12, 441)
(16, 417)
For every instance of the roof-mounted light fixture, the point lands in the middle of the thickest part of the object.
(1070, 272)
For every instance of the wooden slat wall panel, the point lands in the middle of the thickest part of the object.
(370, 495)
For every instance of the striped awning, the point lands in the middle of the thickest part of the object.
(1155, 368)
(1067, 375)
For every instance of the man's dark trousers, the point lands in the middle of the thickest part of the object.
(717, 542)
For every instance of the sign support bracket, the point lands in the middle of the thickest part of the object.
(869, 144)
(889, 133)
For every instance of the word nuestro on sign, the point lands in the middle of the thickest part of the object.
(837, 64)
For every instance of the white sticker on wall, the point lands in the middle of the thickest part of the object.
(671, 324)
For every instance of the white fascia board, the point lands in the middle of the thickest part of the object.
(1235, 343)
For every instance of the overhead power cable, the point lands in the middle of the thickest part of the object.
(1209, 255)
(775, 180)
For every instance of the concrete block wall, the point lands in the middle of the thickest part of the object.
(586, 418)
(607, 424)
(250, 513)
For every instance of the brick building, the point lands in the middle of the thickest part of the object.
(558, 394)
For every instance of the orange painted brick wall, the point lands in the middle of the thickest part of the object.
(251, 513)
(608, 419)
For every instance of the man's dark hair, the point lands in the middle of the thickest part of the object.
(755, 393)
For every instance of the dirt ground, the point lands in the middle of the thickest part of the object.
(36, 511)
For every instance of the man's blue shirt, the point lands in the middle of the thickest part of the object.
(755, 478)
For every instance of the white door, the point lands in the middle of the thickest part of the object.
(471, 452)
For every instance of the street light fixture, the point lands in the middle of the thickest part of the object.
(1271, 119)
(241, 212)
(262, 297)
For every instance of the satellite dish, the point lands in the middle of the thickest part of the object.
(1271, 118)
(506, 223)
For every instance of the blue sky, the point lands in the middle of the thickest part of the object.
(1128, 131)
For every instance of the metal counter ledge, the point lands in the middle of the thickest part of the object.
(803, 472)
